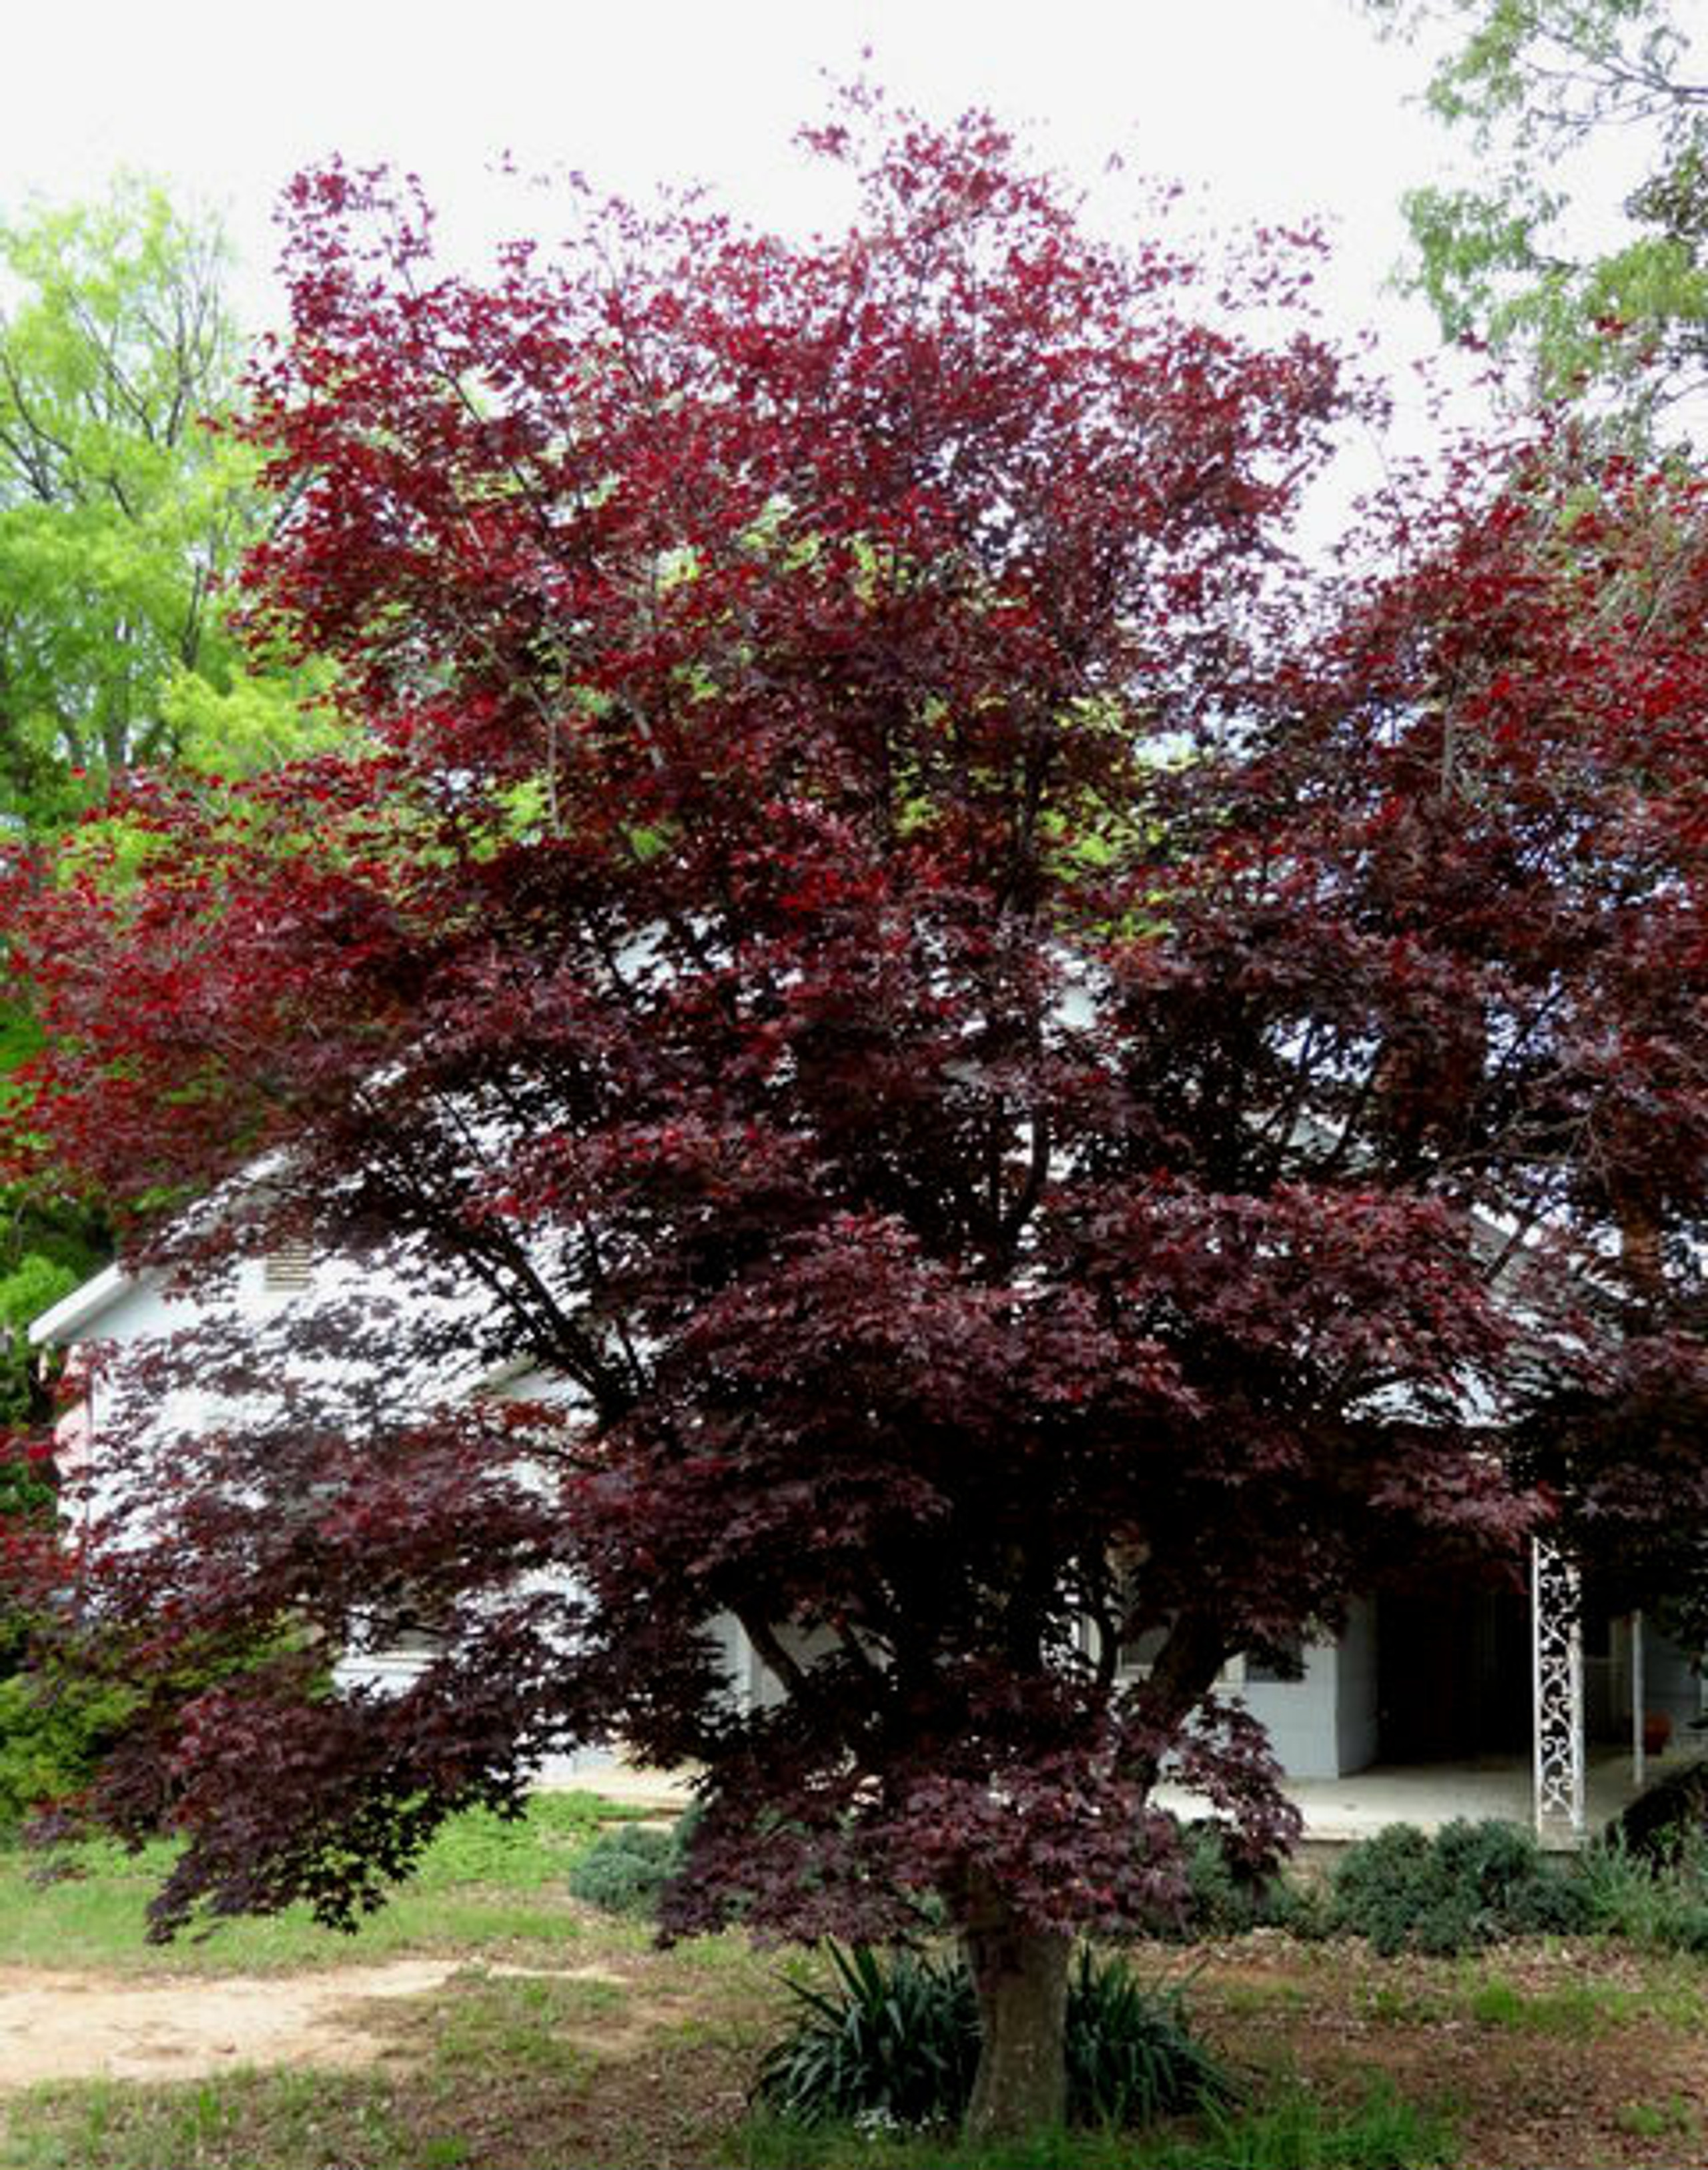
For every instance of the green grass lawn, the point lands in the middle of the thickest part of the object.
(566, 2039)
(491, 2068)
(485, 1885)
(562, 2038)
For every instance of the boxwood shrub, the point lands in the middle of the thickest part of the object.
(1472, 1885)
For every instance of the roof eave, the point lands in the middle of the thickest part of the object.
(69, 1319)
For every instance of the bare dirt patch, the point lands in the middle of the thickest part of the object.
(88, 2026)
(1573, 2057)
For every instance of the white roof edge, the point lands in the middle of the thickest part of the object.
(66, 1320)
(499, 1376)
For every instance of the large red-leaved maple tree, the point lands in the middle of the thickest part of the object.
(1033, 1079)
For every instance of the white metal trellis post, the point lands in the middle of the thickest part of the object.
(1556, 1643)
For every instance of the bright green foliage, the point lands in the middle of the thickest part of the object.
(43, 1257)
(487, 1885)
(1597, 271)
(895, 2042)
(245, 723)
(1472, 1885)
(51, 1733)
(1580, 2008)
(121, 512)
(118, 510)
(521, 1853)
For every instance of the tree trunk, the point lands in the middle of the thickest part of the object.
(1020, 1975)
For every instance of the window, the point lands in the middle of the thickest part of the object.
(1139, 1653)
(1284, 1665)
(288, 1269)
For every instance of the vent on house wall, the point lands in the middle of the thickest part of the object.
(292, 1266)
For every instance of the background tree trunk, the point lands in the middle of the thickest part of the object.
(1020, 1974)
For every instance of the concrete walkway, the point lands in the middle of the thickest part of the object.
(1337, 1811)
(629, 1786)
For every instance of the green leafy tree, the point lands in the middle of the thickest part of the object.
(122, 512)
(118, 512)
(1581, 244)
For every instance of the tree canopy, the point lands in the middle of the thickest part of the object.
(1023, 1074)
(1580, 244)
(122, 509)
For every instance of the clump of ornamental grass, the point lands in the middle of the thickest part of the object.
(896, 2039)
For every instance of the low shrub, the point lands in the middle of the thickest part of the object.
(1131, 2057)
(1222, 1900)
(897, 2041)
(1225, 1898)
(1656, 1899)
(1383, 1886)
(53, 1733)
(625, 1869)
(1669, 1815)
(1521, 1890)
(1473, 1883)
(1300, 1904)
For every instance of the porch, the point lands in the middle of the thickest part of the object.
(1476, 1700)
(1339, 1811)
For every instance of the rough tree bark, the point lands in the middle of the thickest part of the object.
(1020, 1975)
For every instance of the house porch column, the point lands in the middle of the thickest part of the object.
(1557, 1645)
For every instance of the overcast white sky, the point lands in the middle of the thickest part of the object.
(1273, 108)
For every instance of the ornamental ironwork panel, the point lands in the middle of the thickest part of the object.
(1556, 1642)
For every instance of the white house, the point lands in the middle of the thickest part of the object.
(1455, 1701)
